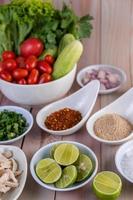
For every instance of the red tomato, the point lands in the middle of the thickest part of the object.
(44, 78)
(22, 81)
(49, 59)
(31, 46)
(6, 76)
(33, 77)
(1, 66)
(8, 55)
(31, 62)
(44, 67)
(20, 73)
(20, 61)
(9, 64)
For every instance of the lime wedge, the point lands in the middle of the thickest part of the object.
(84, 167)
(52, 150)
(48, 170)
(107, 185)
(66, 154)
(68, 177)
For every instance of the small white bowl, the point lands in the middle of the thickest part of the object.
(20, 157)
(40, 93)
(28, 116)
(44, 153)
(119, 156)
(123, 106)
(83, 100)
(110, 68)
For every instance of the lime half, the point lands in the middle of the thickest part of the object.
(52, 150)
(84, 167)
(68, 177)
(48, 170)
(107, 185)
(66, 154)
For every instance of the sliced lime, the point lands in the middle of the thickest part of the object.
(48, 170)
(66, 154)
(68, 177)
(107, 185)
(52, 150)
(84, 167)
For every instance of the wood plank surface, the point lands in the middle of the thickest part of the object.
(111, 43)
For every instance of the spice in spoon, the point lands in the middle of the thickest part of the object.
(112, 127)
(63, 119)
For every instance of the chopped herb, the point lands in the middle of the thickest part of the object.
(12, 125)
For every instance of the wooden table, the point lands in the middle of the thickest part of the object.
(111, 43)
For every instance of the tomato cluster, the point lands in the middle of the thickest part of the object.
(27, 68)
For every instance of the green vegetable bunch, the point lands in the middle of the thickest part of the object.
(12, 124)
(37, 18)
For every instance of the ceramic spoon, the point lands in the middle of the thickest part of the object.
(83, 100)
(122, 106)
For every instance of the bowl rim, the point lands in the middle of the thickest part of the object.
(16, 148)
(117, 159)
(29, 127)
(32, 170)
(39, 85)
(89, 67)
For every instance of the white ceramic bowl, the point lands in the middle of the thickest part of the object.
(110, 68)
(27, 116)
(38, 94)
(122, 106)
(20, 157)
(80, 100)
(44, 153)
(125, 148)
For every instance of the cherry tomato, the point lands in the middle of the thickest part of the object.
(22, 81)
(49, 59)
(31, 62)
(33, 77)
(44, 67)
(31, 46)
(44, 78)
(20, 61)
(8, 55)
(9, 64)
(1, 66)
(20, 73)
(6, 76)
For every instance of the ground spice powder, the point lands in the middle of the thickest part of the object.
(112, 127)
(63, 119)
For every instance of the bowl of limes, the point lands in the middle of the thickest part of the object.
(64, 166)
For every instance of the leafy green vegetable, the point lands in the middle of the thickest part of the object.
(82, 28)
(12, 125)
(21, 19)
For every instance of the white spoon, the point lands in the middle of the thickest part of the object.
(122, 106)
(83, 100)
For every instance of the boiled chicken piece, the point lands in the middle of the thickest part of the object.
(9, 170)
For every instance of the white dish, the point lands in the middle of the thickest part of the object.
(20, 157)
(83, 100)
(27, 116)
(44, 152)
(111, 68)
(122, 106)
(38, 94)
(119, 156)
